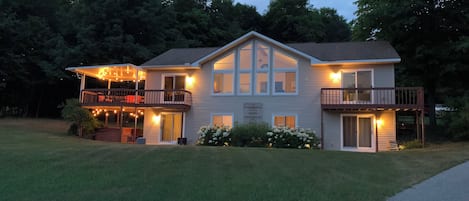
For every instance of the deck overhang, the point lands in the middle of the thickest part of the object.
(111, 72)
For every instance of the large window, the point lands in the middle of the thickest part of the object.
(223, 71)
(282, 120)
(285, 73)
(262, 68)
(255, 68)
(245, 69)
(357, 131)
(222, 120)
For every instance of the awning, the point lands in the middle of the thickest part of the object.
(112, 72)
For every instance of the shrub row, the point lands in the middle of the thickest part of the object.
(258, 135)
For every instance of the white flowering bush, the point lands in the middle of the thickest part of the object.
(300, 138)
(214, 136)
(255, 136)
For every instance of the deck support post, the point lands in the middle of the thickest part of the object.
(417, 125)
(108, 87)
(82, 86)
(136, 86)
(322, 129)
(422, 116)
(376, 134)
(121, 117)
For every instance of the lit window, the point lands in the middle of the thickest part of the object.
(285, 72)
(222, 120)
(223, 75)
(262, 68)
(285, 121)
(245, 69)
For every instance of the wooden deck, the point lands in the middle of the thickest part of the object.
(170, 100)
(373, 99)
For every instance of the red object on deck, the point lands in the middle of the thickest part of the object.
(131, 99)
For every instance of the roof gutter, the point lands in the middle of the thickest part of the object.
(361, 61)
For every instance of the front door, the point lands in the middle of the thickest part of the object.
(173, 84)
(357, 132)
(171, 127)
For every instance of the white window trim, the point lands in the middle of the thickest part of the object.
(222, 114)
(275, 70)
(233, 73)
(163, 75)
(285, 114)
(355, 71)
(240, 71)
(373, 136)
(160, 140)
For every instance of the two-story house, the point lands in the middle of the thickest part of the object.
(344, 91)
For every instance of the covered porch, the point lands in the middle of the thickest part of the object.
(122, 105)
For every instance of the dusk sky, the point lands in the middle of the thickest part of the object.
(345, 8)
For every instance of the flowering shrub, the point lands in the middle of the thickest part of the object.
(300, 138)
(214, 136)
(250, 134)
(281, 137)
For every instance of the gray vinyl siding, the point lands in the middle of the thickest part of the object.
(306, 105)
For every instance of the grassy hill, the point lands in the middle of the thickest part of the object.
(38, 161)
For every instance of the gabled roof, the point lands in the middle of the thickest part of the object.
(179, 56)
(348, 50)
(245, 38)
(318, 53)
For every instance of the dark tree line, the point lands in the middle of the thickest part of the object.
(39, 39)
(432, 37)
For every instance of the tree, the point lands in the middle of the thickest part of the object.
(296, 21)
(84, 121)
(336, 28)
(431, 38)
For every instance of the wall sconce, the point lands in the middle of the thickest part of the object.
(335, 77)
(379, 122)
(156, 119)
(189, 81)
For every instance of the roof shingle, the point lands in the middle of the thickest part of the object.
(323, 51)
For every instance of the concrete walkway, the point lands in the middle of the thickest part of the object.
(450, 185)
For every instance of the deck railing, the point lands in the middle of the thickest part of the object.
(356, 98)
(135, 97)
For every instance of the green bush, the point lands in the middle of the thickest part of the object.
(251, 134)
(214, 136)
(457, 121)
(83, 122)
(414, 144)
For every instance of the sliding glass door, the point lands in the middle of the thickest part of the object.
(357, 132)
(171, 83)
(357, 79)
(171, 127)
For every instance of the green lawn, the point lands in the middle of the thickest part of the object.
(39, 162)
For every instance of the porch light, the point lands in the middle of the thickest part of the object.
(156, 119)
(335, 77)
(379, 122)
(189, 81)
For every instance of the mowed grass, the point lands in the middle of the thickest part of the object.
(38, 161)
